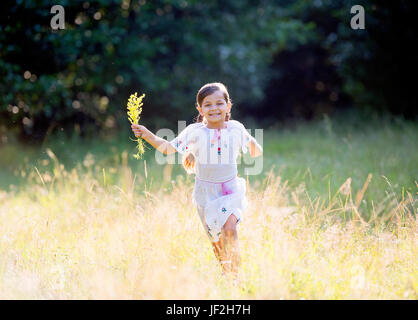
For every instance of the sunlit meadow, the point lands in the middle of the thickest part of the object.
(333, 216)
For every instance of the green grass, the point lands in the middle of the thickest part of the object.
(82, 220)
(323, 155)
(319, 155)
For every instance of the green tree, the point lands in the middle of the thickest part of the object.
(168, 49)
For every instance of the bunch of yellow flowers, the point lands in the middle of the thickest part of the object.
(134, 110)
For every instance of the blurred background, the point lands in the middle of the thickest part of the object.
(280, 60)
(285, 63)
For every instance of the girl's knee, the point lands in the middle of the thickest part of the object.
(231, 222)
(230, 226)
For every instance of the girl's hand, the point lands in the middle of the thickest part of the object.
(189, 161)
(140, 131)
(158, 143)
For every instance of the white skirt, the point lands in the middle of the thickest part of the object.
(215, 202)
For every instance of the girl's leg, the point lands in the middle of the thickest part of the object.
(218, 249)
(231, 244)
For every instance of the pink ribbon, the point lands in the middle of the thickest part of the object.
(225, 190)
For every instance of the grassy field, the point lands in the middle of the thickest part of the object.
(332, 216)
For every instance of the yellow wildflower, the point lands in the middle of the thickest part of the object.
(134, 111)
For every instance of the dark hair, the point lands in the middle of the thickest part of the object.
(209, 88)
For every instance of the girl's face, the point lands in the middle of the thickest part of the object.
(214, 107)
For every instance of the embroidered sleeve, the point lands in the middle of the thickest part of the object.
(182, 143)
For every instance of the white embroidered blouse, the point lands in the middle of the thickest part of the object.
(215, 150)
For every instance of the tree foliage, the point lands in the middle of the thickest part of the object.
(300, 56)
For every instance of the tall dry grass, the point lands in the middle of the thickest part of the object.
(71, 236)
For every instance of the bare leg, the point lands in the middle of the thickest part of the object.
(219, 250)
(226, 249)
(231, 244)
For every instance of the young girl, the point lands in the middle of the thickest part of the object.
(210, 148)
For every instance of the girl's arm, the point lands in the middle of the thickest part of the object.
(158, 143)
(255, 149)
